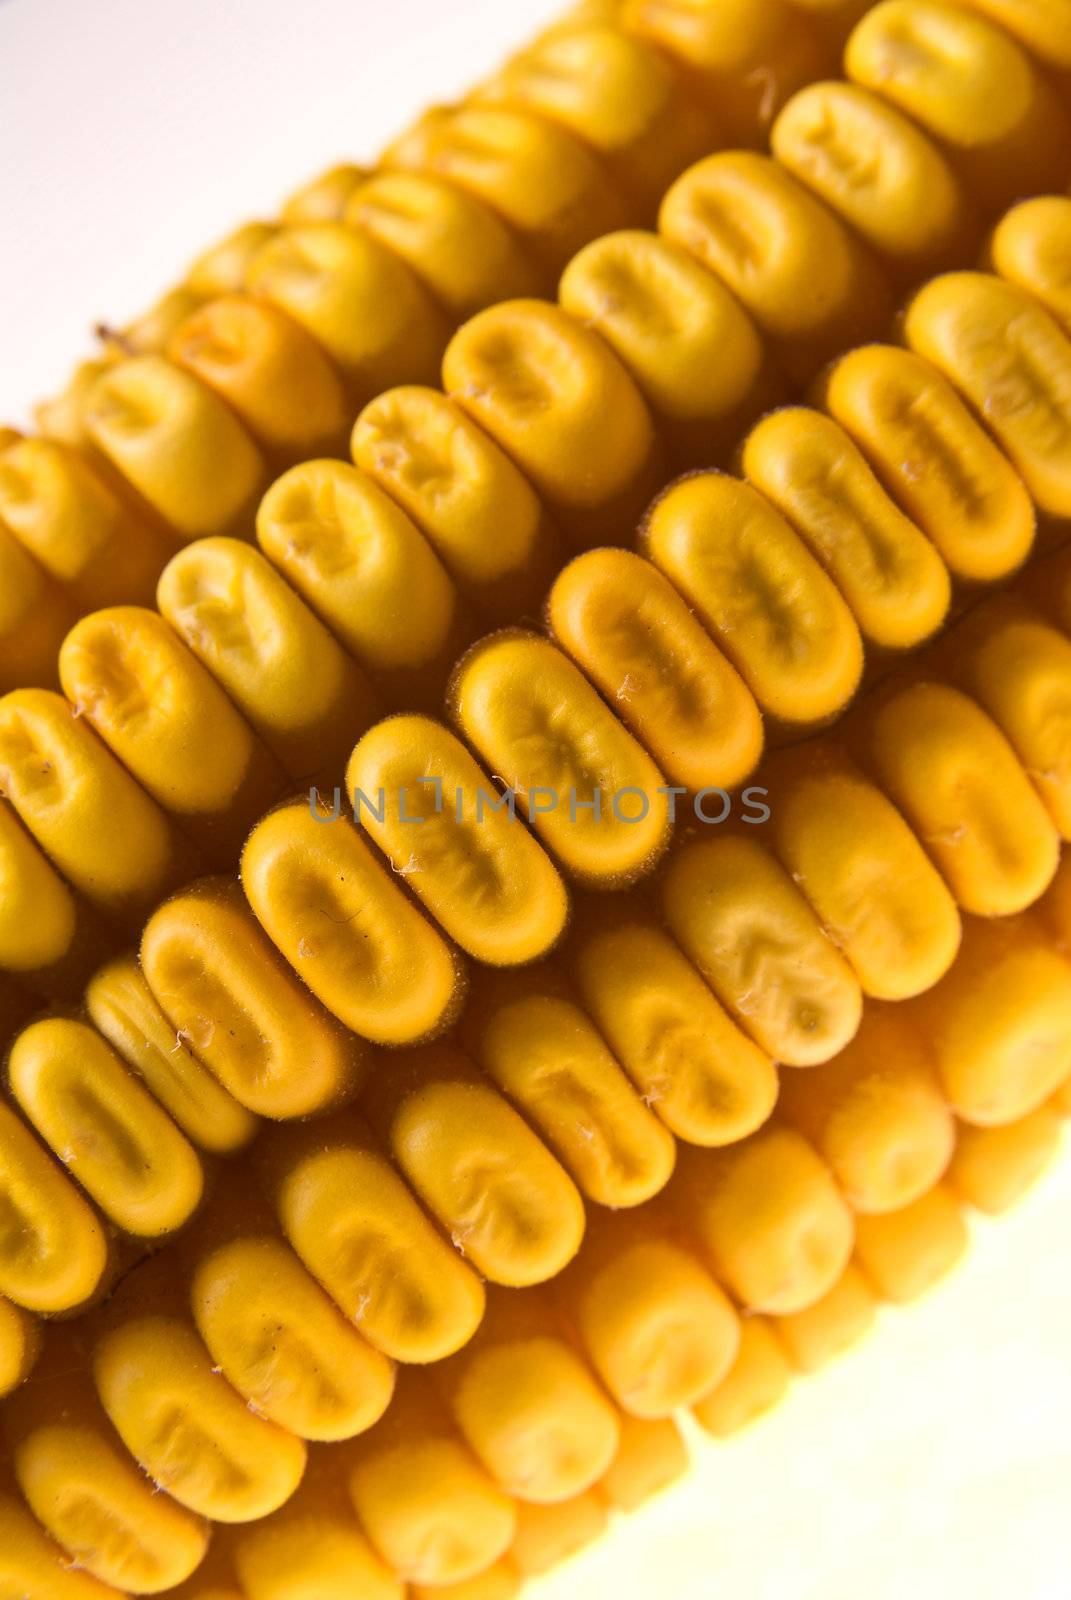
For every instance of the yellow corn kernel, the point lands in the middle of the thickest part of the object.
(507, 1204)
(98, 826)
(228, 993)
(756, 1382)
(330, 907)
(650, 1456)
(654, 1325)
(465, 495)
(972, 88)
(1011, 361)
(463, 252)
(543, 181)
(548, 1535)
(223, 267)
(303, 695)
(76, 527)
(275, 1335)
(765, 598)
(33, 1568)
(589, 791)
(501, 1581)
(87, 1493)
(808, 282)
(617, 94)
(1041, 26)
(629, 630)
(20, 1341)
(737, 914)
(64, 417)
(822, 1332)
(441, 823)
(38, 915)
(903, 1254)
(693, 351)
(160, 712)
(958, 782)
(542, 385)
(35, 613)
(934, 459)
(746, 59)
(428, 1506)
(53, 1251)
(768, 1217)
(358, 300)
(151, 332)
(705, 1079)
(363, 1236)
(532, 1039)
(367, 572)
(122, 1007)
(178, 444)
(323, 198)
(105, 1127)
(528, 1406)
(1031, 247)
(270, 371)
(1018, 668)
(994, 1167)
(875, 890)
(998, 1027)
(312, 1548)
(895, 582)
(880, 173)
(875, 1114)
(181, 1421)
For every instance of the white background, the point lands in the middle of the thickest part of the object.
(935, 1462)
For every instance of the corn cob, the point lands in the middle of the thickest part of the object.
(220, 918)
(201, 694)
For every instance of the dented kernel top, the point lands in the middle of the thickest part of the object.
(330, 905)
(178, 443)
(1012, 362)
(935, 460)
(754, 584)
(542, 385)
(588, 788)
(444, 827)
(480, 513)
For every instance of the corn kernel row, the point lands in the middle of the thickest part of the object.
(777, 1163)
(775, 1166)
(414, 252)
(194, 1186)
(126, 652)
(898, 1257)
(226, 933)
(824, 123)
(706, 199)
(736, 1260)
